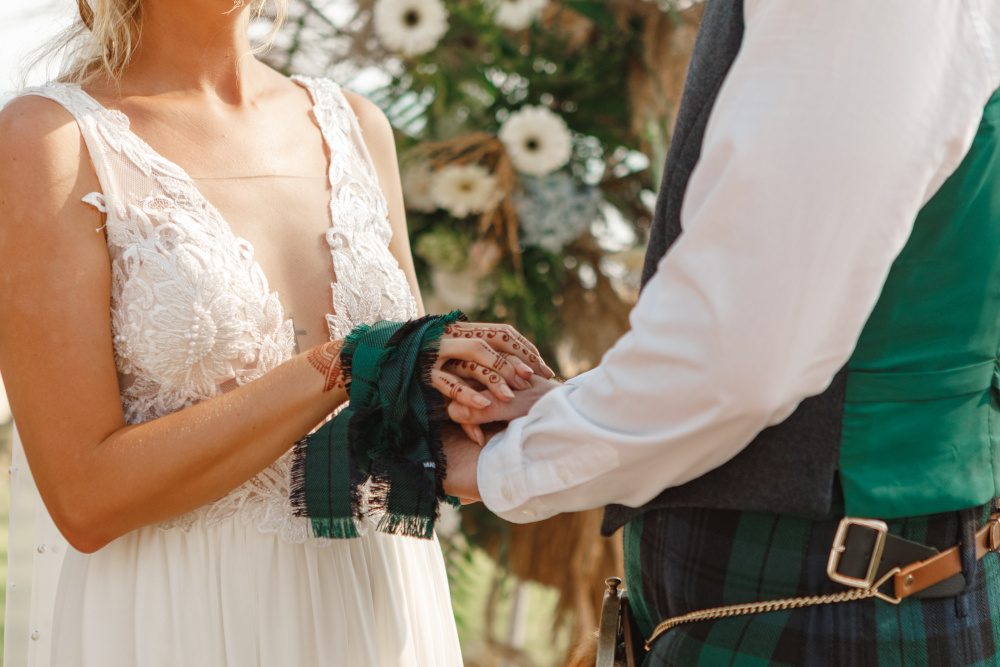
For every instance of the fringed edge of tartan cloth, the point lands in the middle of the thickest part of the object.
(382, 454)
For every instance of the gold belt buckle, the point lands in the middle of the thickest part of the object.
(881, 530)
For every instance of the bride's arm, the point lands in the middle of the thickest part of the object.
(99, 477)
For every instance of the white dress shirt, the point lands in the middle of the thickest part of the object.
(837, 122)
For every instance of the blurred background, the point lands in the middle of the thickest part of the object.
(532, 135)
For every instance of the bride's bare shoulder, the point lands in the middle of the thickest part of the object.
(45, 168)
(363, 107)
(40, 144)
(33, 118)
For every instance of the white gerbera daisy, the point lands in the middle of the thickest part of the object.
(417, 179)
(537, 140)
(518, 14)
(464, 189)
(411, 27)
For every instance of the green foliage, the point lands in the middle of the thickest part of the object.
(596, 10)
(480, 73)
(526, 298)
(482, 599)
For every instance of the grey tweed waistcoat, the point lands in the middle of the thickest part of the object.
(789, 468)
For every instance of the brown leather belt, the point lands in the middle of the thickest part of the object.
(864, 552)
(865, 557)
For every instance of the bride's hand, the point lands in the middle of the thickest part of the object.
(495, 356)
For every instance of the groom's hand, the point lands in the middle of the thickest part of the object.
(462, 454)
(506, 411)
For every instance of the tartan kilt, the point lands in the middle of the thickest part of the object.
(684, 559)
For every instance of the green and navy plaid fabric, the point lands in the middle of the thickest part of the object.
(382, 454)
(683, 560)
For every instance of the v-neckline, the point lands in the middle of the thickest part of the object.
(217, 218)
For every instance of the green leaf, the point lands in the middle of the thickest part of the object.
(595, 10)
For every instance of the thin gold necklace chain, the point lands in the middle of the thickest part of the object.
(775, 605)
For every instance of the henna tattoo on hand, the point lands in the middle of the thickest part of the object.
(475, 369)
(516, 340)
(499, 362)
(326, 359)
(454, 389)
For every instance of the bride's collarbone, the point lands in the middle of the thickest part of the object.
(274, 136)
(217, 150)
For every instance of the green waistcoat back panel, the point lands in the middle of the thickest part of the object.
(921, 427)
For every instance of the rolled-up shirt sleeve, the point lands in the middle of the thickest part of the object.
(836, 123)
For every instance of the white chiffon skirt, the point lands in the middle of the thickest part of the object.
(228, 595)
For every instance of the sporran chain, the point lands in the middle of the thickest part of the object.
(775, 605)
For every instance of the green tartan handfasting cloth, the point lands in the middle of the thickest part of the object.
(389, 434)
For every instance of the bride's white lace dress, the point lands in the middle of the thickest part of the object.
(238, 583)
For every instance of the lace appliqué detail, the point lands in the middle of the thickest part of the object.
(369, 285)
(192, 316)
(96, 199)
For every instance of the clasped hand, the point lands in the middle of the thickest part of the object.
(490, 373)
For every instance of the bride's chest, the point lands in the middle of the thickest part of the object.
(210, 269)
(198, 309)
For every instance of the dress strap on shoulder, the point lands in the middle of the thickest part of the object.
(125, 165)
(329, 103)
(88, 113)
(337, 119)
(84, 108)
(69, 95)
(325, 92)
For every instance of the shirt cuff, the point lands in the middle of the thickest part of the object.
(500, 475)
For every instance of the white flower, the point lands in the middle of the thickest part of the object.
(417, 181)
(411, 27)
(464, 189)
(537, 140)
(462, 289)
(518, 14)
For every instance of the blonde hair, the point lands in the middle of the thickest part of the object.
(106, 36)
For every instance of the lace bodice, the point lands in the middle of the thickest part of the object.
(192, 316)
